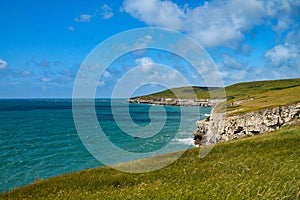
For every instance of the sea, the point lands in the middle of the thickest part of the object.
(39, 138)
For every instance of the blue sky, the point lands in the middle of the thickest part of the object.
(43, 43)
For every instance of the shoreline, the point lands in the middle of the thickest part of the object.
(176, 102)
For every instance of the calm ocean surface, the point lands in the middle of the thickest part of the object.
(38, 138)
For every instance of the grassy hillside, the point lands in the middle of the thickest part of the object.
(265, 166)
(257, 95)
(182, 93)
(262, 94)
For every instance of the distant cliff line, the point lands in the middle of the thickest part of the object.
(176, 102)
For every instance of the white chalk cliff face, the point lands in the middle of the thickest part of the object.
(174, 102)
(224, 127)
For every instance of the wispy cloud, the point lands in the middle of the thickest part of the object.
(106, 12)
(152, 72)
(106, 74)
(71, 28)
(104, 78)
(46, 79)
(232, 62)
(285, 58)
(83, 18)
(145, 63)
(3, 64)
(25, 73)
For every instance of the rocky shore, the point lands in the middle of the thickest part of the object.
(175, 102)
(225, 126)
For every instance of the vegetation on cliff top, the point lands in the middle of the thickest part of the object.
(249, 95)
(181, 93)
(245, 97)
(261, 167)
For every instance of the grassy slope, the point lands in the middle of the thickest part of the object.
(181, 93)
(261, 93)
(260, 167)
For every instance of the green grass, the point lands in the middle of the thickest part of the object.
(260, 94)
(236, 91)
(182, 93)
(265, 166)
(269, 99)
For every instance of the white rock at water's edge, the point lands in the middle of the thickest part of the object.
(224, 127)
(176, 102)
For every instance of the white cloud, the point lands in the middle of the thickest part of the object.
(285, 58)
(215, 22)
(101, 83)
(280, 54)
(26, 73)
(286, 13)
(83, 18)
(46, 79)
(106, 12)
(232, 76)
(71, 28)
(153, 72)
(142, 42)
(284, 53)
(103, 79)
(232, 62)
(293, 37)
(3, 64)
(145, 63)
(155, 12)
(106, 74)
(223, 22)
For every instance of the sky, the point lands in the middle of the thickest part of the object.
(44, 43)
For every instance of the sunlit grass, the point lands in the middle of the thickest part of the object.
(266, 166)
(268, 99)
(257, 95)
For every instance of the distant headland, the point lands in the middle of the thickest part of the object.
(250, 108)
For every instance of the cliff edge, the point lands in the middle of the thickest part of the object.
(225, 126)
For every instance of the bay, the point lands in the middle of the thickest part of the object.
(38, 137)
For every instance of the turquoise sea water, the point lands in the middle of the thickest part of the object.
(38, 138)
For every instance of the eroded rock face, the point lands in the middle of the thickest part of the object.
(225, 128)
(175, 102)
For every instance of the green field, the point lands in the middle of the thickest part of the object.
(258, 94)
(265, 166)
(182, 93)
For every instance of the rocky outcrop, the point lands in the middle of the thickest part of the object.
(223, 126)
(175, 102)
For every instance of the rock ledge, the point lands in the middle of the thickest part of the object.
(223, 127)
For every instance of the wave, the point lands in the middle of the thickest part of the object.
(186, 141)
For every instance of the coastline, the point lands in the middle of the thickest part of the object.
(176, 101)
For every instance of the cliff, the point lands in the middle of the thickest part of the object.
(174, 102)
(250, 108)
(227, 126)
